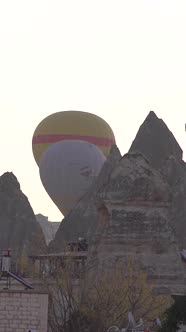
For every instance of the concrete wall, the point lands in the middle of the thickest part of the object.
(21, 311)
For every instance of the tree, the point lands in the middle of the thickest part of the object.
(116, 292)
(64, 298)
(94, 304)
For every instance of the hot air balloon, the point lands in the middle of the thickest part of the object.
(67, 170)
(72, 125)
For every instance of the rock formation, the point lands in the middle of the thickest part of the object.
(135, 222)
(19, 229)
(49, 228)
(156, 142)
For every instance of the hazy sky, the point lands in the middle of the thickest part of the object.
(117, 59)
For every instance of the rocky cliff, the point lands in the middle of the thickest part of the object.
(19, 229)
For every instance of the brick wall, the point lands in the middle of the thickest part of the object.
(23, 310)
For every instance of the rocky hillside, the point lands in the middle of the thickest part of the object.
(19, 229)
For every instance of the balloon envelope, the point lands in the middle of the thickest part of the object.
(72, 125)
(67, 170)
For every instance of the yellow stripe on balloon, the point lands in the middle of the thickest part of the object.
(75, 125)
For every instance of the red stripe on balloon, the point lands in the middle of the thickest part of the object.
(41, 139)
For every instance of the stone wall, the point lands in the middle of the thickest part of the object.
(23, 311)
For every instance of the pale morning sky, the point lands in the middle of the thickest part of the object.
(117, 59)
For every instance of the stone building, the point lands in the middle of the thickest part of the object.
(22, 308)
(23, 311)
